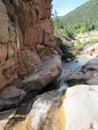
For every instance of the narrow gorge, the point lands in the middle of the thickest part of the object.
(37, 92)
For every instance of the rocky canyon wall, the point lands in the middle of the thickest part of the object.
(29, 55)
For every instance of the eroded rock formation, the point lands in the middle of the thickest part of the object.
(29, 55)
(77, 109)
(88, 74)
(46, 114)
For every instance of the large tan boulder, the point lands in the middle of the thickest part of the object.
(81, 108)
(88, 73)
(77, 109)
(46, 114)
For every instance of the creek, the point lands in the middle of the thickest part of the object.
(69, 68)
(23, 110)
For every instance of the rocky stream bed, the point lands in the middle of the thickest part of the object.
(67, 107)
(30, 59)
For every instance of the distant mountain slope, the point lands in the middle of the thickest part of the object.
(86, 12)
(80, 20)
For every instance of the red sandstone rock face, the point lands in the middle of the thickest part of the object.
(27, 42)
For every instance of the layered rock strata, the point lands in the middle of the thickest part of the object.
(29, 55)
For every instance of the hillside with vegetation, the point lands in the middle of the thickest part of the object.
(83, 19)
(80, 20)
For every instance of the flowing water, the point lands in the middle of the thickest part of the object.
(67, 67)
(78, 62)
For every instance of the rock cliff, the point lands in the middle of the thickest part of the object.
(29, 55)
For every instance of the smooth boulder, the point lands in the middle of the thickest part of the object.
(81, 108)
(46, 114)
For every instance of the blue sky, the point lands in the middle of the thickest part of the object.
(65, 6)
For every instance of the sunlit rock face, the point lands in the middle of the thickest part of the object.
(29, 55)
(92, 51)
(46, 114)
(77, 109)
(81, 108)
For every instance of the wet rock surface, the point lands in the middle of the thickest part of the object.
(77, 109)
(5, 116)
(29, 60)
(46, 113)
(72, 109)
(86, 74)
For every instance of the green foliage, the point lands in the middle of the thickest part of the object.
(70, 50)
(78, 46)
(82, 19)
(66, 49)
(93, 41)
